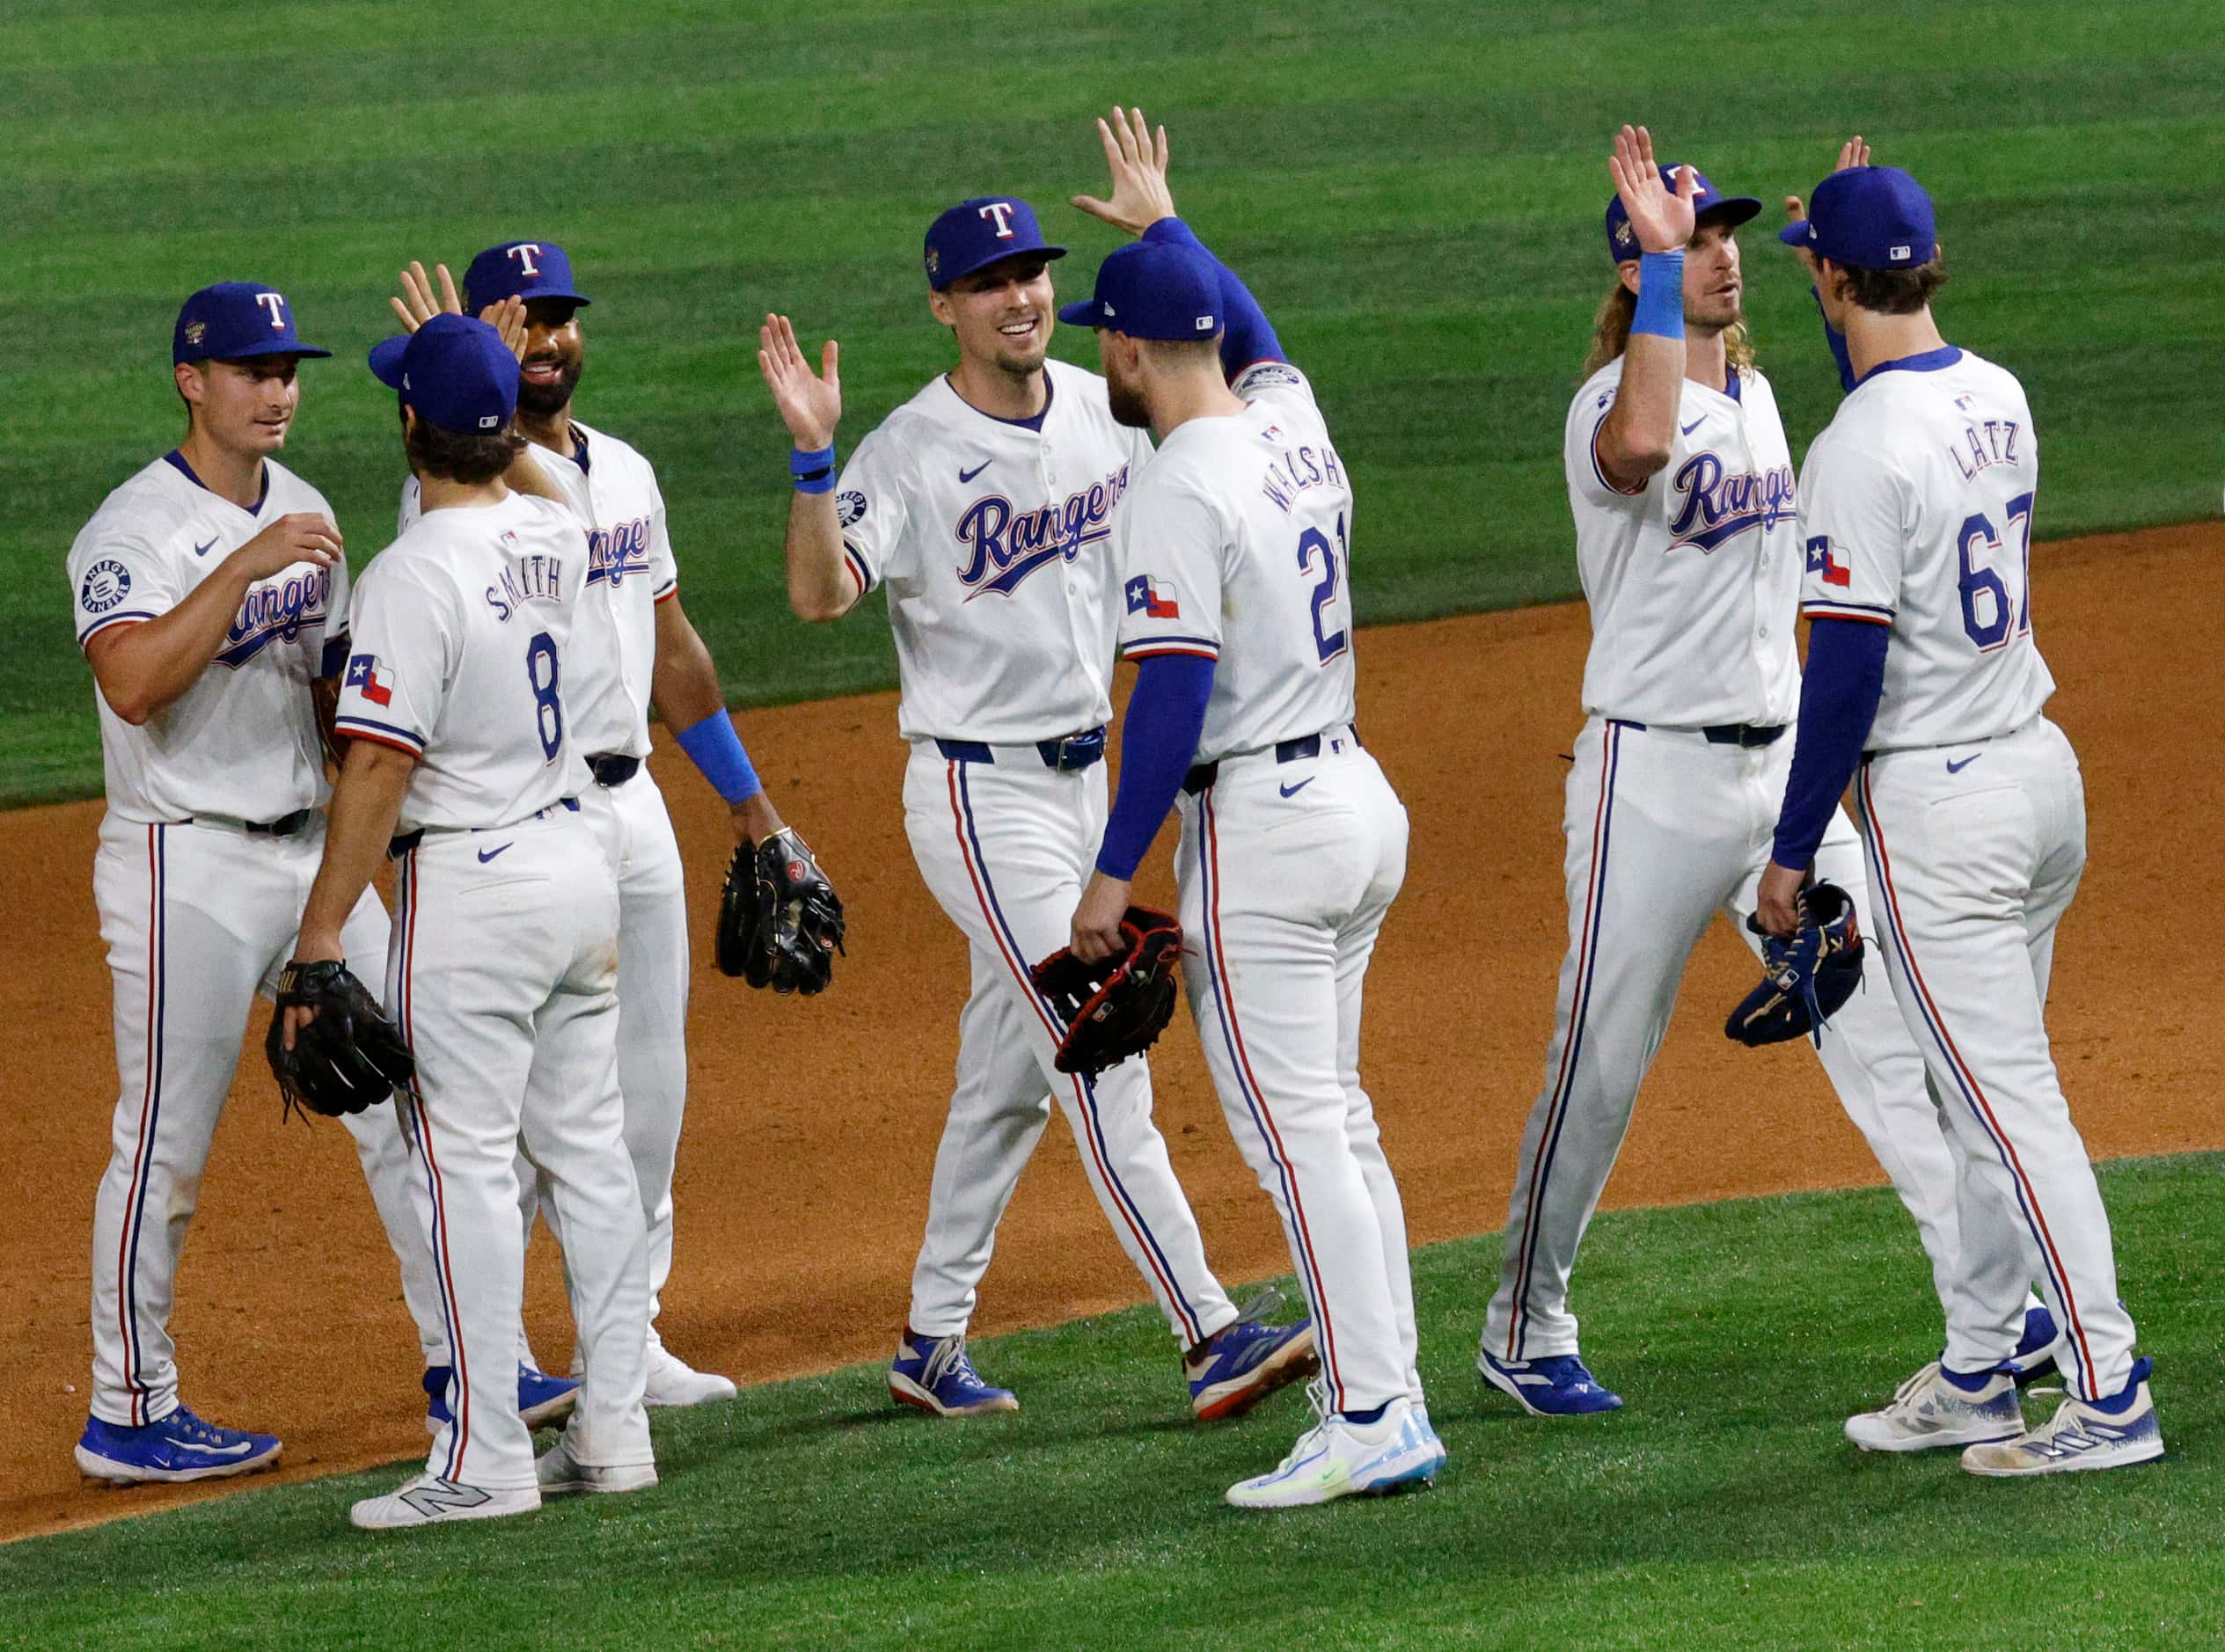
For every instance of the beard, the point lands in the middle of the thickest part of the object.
(1128, 405)
(545, 401)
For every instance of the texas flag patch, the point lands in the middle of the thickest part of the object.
(1143, 598)
(363, 673)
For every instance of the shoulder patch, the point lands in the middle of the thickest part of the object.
(1266, 375)
(850, 507)
(107, 584)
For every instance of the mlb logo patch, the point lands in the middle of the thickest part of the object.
(363, 673)
(1143, 598)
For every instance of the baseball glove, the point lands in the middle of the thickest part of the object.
(1803, 980)
(1117, 1007)
(781, 922)
(349, 1057)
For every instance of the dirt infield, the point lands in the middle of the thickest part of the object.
(803, 1181)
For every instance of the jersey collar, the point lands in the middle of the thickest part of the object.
(1923, 361)
(187, 471)
(1049, 389)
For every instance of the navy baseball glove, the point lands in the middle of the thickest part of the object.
(781, 922)
(350, 1057)
(1803, 980)
(1117, 1007)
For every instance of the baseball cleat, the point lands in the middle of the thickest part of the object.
(543, 1400)
(178, 1447)
(1556, 1386)
(560, 1475)
(936, 1375)
(673, 1382)
(2083, 1434)
(1339, 1457)
(2035, 1355)
(429, 1500)
(1241, 1365)
(1932, 1409)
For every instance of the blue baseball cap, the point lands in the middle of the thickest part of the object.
(976, 233)
(1868, 217)
(455, 370)
(233, 321)
(520, 269)
(1708, 207)
(1151, 290)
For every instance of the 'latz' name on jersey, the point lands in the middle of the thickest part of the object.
(1006, 548)
(275, 611)
(616, 554)
(532, 578)
(1714, 505)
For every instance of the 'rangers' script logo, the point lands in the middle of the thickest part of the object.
(615, 552)
(275, 612)
(1006, 548)
(1713, 507)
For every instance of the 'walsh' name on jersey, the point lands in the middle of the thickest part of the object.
(1297, 468)
(529, 578)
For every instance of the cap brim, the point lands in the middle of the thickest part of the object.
(1046, 253)
(1081, 314)
(386, 361)
(1732, 209)
(1795, 234)
(303, 350)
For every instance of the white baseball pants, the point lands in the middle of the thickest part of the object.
(1005, 847)
(1286, 872)
(196, 917)
(1976, 852)
(1663, 830)
(503, 973)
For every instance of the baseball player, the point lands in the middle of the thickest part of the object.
(504, 959)
(211, 595)
(1924, 683)
(1682, 490)
(638, 647)
(986, 505)
(1235, 555)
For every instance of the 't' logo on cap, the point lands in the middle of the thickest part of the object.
(1001, 211)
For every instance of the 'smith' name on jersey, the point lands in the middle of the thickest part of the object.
(1005, 547)
(277, 611)
(617, 553)
(1715, 504)
(533, 577)
(1297, 468)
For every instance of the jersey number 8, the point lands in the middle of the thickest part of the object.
(548, 710)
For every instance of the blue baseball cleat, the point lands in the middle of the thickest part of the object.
(2035, 1355)
(936, 1375)
(178, 1447)
(543, 1400)
(1241, 1363)
(1556, 1386)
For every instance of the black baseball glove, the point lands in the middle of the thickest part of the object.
(781, 922)
(1806, 979)
(1117, 1007)
(349, 1057)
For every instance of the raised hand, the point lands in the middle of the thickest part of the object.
(1138, 162)
(1662, 218)
(1852, 152)
(809, 403)
(415, 306)
(301, 535)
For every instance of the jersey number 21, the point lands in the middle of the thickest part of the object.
(1312, 543)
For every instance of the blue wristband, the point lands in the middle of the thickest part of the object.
(714, 747)
(1660, 295)
(814, 472)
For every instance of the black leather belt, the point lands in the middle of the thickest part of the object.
(397, 847)
(1285, 751)
(1067, 753)
(1743, 733)
(284, 826)
(610, 770)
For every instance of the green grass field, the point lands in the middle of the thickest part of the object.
(1413, 189)
(1721, 1509)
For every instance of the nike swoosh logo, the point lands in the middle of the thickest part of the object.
(1956, 768)
(202, 550)
(1293, 790)
(967, 476)
(239, 1448)
(1694, 425)
(486, 855)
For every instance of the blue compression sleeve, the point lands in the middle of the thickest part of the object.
(1247, 336)
(1158, 741)
(714, 747)
(1838, 702)
(1837, 341)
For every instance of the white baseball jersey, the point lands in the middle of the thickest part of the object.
(1919, 516)
(242, 741)
(613, 490)
(1694, 580)
(994, 540)
(460, 633)
(1235, 546)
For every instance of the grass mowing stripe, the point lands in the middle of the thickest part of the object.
(1722, 1508)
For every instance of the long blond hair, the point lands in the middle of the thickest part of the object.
(1611, 333)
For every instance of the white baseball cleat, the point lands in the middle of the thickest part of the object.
(1928, 1411)
(673, 1382)
(1338, 1457)
(560, 1475)
(428, 1500)
(2083, 1434)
